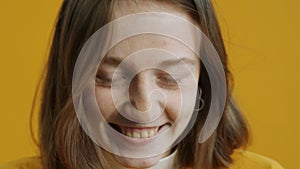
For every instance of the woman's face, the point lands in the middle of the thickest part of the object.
(157, 96)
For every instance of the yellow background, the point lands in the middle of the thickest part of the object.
(262, 38)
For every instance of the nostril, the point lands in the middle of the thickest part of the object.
(141, 105)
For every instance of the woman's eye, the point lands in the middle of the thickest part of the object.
(103, 80)
(168, 81)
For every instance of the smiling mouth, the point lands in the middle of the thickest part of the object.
(140, 132)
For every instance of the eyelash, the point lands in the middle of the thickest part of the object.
(103, 80)
(164, 81)
(167, 81)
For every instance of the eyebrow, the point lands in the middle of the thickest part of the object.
(185, 60)
(115, 60)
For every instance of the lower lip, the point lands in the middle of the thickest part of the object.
(143, 141)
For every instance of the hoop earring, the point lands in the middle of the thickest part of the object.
(201, 101)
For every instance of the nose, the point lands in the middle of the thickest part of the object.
(140, 90)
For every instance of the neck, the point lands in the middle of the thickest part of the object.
(167, 162)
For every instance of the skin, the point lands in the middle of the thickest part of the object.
(146, 81)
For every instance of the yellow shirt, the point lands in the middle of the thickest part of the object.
(242, 160)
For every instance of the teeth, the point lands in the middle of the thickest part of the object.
(151, 133)
(136, 135)
(144, 134)
(128, 134)
(139, 133)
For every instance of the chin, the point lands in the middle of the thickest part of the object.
(138, 162)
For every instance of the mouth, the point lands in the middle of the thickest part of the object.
(140, 132)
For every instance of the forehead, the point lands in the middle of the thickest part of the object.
(139, 42)
(128, 7)
(146, 41)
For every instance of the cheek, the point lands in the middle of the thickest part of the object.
(174, 104)
(105, 101)
(181, 102)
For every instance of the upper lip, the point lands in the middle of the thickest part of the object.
(118, 120)
(138, 126)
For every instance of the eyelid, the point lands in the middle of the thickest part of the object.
(104, 78)
(109, 73)
(176, 75)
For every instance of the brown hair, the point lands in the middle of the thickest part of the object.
(64, 144)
